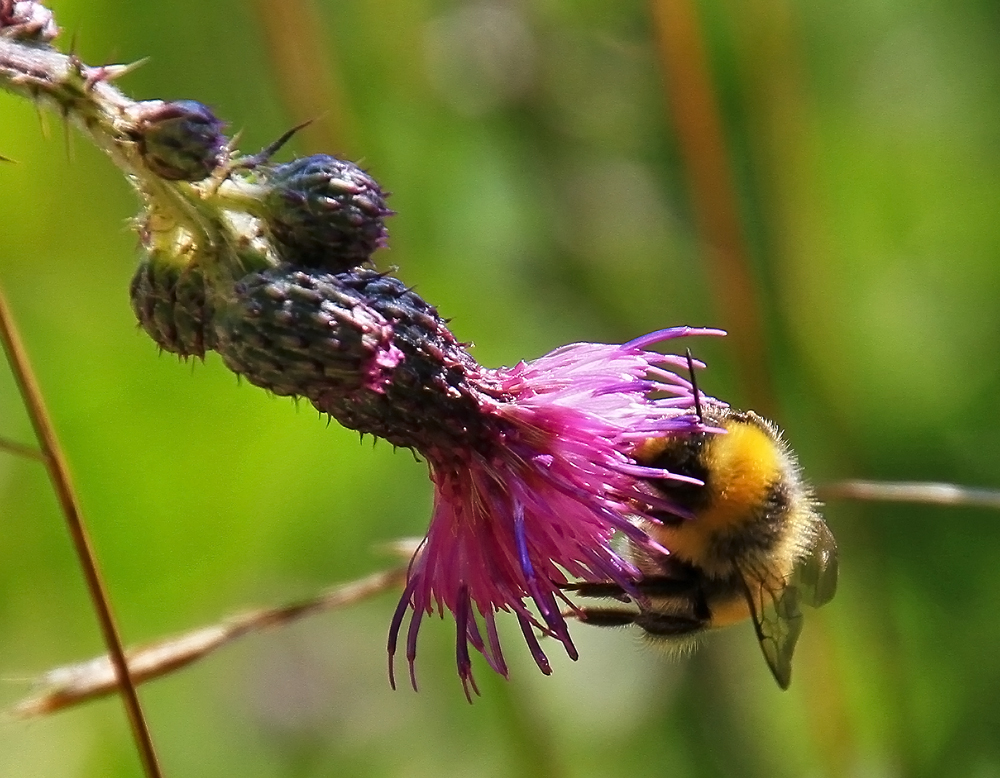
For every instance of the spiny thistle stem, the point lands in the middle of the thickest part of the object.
(58, 470)
(79, 93)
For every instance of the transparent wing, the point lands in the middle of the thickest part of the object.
(816, 575)
(774, 607)
(775, 604)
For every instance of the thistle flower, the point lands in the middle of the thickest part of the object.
(540, 498)
(532, 465)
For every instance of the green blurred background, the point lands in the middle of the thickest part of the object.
(544, 188)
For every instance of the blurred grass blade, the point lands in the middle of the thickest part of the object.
(309, 82)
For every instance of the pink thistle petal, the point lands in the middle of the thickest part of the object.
(539, 502)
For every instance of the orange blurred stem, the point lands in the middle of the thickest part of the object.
(694, 109)
(308, 81)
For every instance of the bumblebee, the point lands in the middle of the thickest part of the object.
(747, 544)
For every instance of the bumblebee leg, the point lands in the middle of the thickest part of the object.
(606, 617)
(660, 586)
(663, 624)
(595, 589)
(667, 624)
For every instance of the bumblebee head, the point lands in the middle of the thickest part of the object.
(745, 464)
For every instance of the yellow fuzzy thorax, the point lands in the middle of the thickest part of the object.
(744, 463)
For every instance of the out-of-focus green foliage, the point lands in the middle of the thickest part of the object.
(540, 200)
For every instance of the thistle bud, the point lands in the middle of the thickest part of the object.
(180, 140)
(27, 21)
(360, 345)
(298, 333)
(168, 298)
(325, 213)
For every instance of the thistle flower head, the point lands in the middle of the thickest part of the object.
(542, 500)
(533, 466)
(169, 302)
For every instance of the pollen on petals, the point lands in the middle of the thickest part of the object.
(540, 502)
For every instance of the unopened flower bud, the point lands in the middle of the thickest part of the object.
(292, 333)
(325, 213)
(27, 21)
(168, 298)
(360, 345)
(180, 140)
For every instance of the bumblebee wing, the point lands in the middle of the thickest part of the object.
(775, 604)
(816, 575)
(774, 608)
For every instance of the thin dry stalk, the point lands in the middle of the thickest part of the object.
(925, 493)
(55, 464)
(64, 687)
(305, 66)
(21, 450)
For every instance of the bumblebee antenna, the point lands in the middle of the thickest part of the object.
(694, 386)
